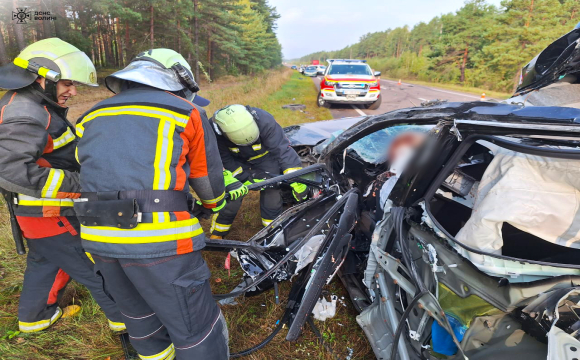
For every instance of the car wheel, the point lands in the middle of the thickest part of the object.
(376, 104)
(321, 102)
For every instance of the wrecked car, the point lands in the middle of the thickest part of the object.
(475, 255)
(466, 245)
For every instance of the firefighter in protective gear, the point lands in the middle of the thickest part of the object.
(37, 146)
(140, 151)
(251, 144)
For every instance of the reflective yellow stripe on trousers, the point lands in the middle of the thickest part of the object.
(167, 354)
(217, 226)
(143, 233)
(39, 325)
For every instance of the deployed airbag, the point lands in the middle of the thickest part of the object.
(535, 194)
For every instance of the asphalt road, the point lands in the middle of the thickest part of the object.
(398, 97)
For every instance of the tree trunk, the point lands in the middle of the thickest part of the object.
(83, 23)
(61, 26)
(100, 45)
(120, 61)
(18, 34)
(189, 36)
(127, 42)
(93, 59)
(462, 79)
(76, 20)
(93, 52)
(179, 36)
(209, 65)
(11, 36)
(3, 53)
(530, 13)
(196, 38)
(152, 28)
(38, 31)
(108, 39)
(47, 28)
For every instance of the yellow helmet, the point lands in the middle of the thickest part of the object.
(237, 124)
(53, 59)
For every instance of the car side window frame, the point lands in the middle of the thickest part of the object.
(454, 160)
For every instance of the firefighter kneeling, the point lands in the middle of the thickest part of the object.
(252, 145)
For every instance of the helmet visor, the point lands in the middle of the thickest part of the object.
(146, 73)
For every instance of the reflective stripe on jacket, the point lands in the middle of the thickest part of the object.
(272, 145)
(148, 139)
(37, 154)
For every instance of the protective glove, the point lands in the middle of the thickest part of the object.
(300, 191)
(202, 212)
(251, 181)
(233, 186)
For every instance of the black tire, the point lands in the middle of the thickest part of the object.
(376, 104)
(321, 102)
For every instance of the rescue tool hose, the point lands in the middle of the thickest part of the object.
(315, 229)
(265, 341)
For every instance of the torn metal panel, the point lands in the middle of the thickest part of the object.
(500, 337)
(562, 346)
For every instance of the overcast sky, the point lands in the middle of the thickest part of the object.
(307, 26)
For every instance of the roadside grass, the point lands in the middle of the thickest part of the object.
(86, 336)
(489, 94)
(289, 88)
(298, 89)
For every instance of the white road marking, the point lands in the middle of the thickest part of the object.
(422, 99)
(359, 111)
(443, 91)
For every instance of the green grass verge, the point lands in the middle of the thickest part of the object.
(298, 89)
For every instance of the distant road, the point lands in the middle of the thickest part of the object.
(397, 97)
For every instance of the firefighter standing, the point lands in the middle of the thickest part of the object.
(140, 150)
(37, 146)
(252, 143)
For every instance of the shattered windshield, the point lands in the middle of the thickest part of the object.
(373, 148)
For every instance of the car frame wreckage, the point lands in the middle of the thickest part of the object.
(419, 290)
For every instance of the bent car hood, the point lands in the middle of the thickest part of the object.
(311, 134)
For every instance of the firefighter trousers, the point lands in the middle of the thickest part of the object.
(167, 306)
(270, 202)
(50, 264)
